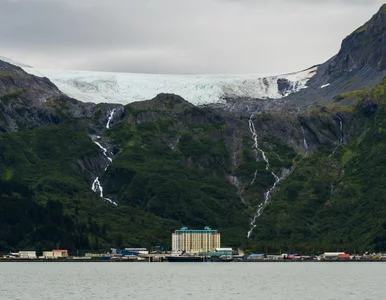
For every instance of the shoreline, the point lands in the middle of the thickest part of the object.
(144, 261)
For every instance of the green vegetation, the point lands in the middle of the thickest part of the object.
(176, 173)
(45, 184)
(361, 29)
(171, 168)
(46, 198)
(11, 95)
(280, 157)
(334, 202)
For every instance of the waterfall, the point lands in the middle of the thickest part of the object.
(111, 201)
(256, 143)
(110, 118)
(268, 193)
(96, 185)
(341, 140)
(104, 151)
(304, 140)
(254, 178)
(341, 129)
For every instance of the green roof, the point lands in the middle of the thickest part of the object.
(206, 229)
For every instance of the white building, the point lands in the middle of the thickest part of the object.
(195, 241)
(27, 254)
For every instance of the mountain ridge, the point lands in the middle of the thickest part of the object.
(268, 174)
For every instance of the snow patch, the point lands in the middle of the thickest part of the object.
(325, 85)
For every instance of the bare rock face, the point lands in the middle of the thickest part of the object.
(35, 89)
(284, 85)
(360, 63)
(365, 48)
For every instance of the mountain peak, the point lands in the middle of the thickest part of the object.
(164, 102)
(360, 62)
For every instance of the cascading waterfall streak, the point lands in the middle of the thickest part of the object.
(277, 179)
(96, 185)
(305, 144)
(110, 118)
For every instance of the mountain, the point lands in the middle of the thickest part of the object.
(334, 198)
(359, 64)
(57, 155)
(299, 173)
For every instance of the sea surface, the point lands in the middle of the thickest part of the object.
(201, 281)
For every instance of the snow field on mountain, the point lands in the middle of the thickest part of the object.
(123, 88)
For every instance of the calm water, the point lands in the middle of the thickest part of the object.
(265, 281)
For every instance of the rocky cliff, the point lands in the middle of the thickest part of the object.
(360, 63)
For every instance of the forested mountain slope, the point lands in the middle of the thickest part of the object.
(268, 174)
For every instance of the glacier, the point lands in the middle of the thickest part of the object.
(124, 88)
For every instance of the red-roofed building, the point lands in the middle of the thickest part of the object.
(60, 253)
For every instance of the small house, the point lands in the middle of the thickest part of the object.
(60, 253)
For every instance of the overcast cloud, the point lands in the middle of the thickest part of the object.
(178, 36)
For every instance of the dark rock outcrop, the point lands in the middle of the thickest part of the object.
(369, 107)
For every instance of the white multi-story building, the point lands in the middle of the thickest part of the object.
(195, 241)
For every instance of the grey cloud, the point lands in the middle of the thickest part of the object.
(174, 36)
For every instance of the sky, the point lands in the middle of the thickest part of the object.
(179, 36)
